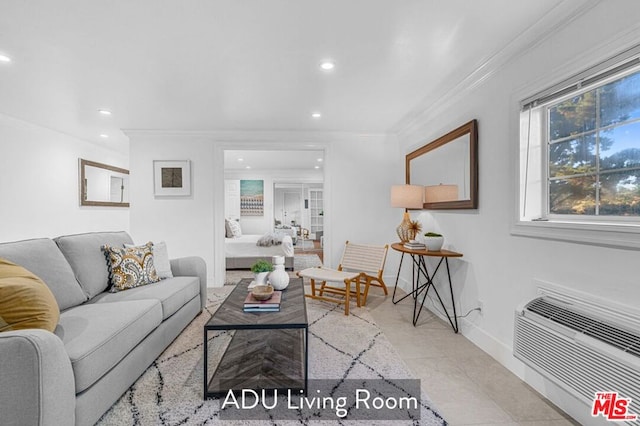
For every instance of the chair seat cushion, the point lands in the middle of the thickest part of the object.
(172, 293)
(97, 336)
(327, 274)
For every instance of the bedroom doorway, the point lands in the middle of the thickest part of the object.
(290, 181)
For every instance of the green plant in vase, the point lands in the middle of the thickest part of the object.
(433, 241)
(261, 270)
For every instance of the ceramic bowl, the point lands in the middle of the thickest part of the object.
(262, 292)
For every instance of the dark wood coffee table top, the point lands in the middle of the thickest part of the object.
(268, 350)
(293, 310)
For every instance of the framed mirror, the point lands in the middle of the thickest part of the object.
(448, 169)
(103, 185)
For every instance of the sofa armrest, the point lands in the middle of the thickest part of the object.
(37, 386)
(192, 267)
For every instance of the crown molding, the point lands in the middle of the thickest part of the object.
(256, 136)
(549, 24)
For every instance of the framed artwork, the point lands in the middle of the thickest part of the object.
(251, 198)
(172, 178)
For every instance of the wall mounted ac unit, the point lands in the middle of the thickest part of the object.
(582, 347)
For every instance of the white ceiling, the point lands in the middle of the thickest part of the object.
(276, 160)
(250, 65)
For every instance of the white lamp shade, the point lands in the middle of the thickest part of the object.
(407, 196)
(440, 193)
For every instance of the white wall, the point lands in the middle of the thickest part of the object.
(184, 223)
(499, 268)
(39, 188)
(358, 173)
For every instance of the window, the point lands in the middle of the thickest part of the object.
(585, 139)
(580, 156)
(594, 150)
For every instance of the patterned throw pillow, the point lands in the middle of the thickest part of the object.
(130, 267)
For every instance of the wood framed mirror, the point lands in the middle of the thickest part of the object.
(103, 185)
(448, 169)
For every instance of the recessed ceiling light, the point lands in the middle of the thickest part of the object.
(327, 65)
(316, 115)
(240, 159)
(316, 167)
(104, 111)
(104, 136)
(248, 167)
(320, 159)
(4, 58)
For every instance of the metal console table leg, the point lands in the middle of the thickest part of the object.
(422, 288)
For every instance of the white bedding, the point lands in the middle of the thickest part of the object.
(245, 246)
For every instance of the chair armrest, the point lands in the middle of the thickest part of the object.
(192, 266)
(37, 386)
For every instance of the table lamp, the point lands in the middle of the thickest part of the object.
(407, 197)
(440, 193)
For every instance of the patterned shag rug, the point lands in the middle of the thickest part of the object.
(170, 392)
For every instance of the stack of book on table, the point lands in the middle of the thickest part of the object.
(414, 245)
(251, 304)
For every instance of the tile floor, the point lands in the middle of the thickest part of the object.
(466, 385)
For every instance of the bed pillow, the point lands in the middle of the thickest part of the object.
(130, 267)
(25, 300)
(227, 229)
(236, 231)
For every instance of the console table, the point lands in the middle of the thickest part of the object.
(420, 272)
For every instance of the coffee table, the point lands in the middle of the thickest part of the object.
(268, 350)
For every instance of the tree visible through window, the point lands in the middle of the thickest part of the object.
(594, 151)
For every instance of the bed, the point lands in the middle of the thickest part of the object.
(241, 252)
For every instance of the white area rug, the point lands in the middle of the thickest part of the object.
(170, 392)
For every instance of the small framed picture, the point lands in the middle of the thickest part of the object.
(172, 178)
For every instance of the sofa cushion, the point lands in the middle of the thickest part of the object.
(172, 293)
(98, 336)
(88, 260)
(25, 301)
(42, 257)
(130, 267)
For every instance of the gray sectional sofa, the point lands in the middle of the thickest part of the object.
(103, 342)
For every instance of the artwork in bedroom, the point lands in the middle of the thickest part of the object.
(251, 198)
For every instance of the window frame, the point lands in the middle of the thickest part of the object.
(612, 231)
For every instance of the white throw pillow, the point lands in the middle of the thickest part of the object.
(236, 231)
(160, 259)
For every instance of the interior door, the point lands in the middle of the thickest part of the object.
(291, 207)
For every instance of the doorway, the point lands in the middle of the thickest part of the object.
(287, 177)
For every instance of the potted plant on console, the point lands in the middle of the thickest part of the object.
(433, 241)
(261, 270)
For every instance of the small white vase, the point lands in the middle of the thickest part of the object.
(434, 243)
(261, 278)
(279, 278)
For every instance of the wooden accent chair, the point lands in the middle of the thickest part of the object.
(360, 264)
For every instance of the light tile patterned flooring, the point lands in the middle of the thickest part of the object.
(466, 385)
